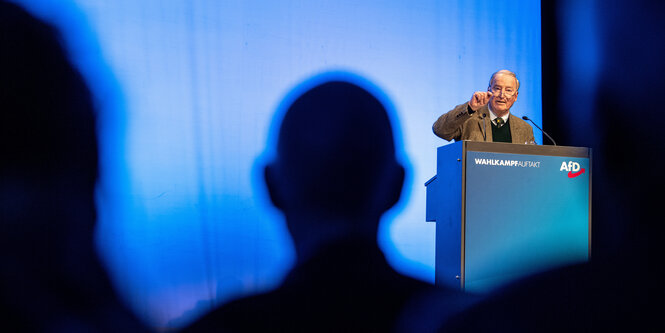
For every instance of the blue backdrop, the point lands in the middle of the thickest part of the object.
(187, 90)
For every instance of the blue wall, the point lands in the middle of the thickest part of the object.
(187, 90)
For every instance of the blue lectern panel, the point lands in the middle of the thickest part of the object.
(524, 214)
(446, 202)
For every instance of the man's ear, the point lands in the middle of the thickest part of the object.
(272, 183)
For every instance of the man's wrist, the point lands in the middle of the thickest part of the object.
(469, 109)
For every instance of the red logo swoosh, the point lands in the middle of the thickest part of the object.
(573, 175)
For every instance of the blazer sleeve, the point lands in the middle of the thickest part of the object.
(532, 139)
(449, 125)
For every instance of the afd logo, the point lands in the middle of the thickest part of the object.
(574, 169)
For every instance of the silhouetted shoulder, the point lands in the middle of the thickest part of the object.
(333, 293)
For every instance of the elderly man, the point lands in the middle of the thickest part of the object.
(486, 117)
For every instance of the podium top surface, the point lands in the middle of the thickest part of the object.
(512, 148)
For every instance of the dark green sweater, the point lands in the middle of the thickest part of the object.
(502, 134)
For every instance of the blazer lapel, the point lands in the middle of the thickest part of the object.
(515, 134)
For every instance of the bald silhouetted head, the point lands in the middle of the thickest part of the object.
(335, 155)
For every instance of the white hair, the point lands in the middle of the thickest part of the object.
(504, 72)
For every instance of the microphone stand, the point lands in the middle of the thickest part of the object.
(484, 126)
(534, 124)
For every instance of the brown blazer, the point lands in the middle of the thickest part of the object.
(459, 124)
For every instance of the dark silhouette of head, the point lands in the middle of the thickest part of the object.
(335, 171)
(48, 143)
(50, 276)
(333, 175)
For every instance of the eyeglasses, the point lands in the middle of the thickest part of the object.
(507, 92)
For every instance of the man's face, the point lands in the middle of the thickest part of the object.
(504, 94)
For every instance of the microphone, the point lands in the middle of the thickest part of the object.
(484, 126)
(534, 124)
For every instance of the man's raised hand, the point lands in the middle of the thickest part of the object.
(479, 99)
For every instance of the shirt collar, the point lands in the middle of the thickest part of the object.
(493, 116)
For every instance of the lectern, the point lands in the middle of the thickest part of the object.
(505, 211)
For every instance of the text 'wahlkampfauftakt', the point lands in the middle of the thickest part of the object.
(508, 163)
